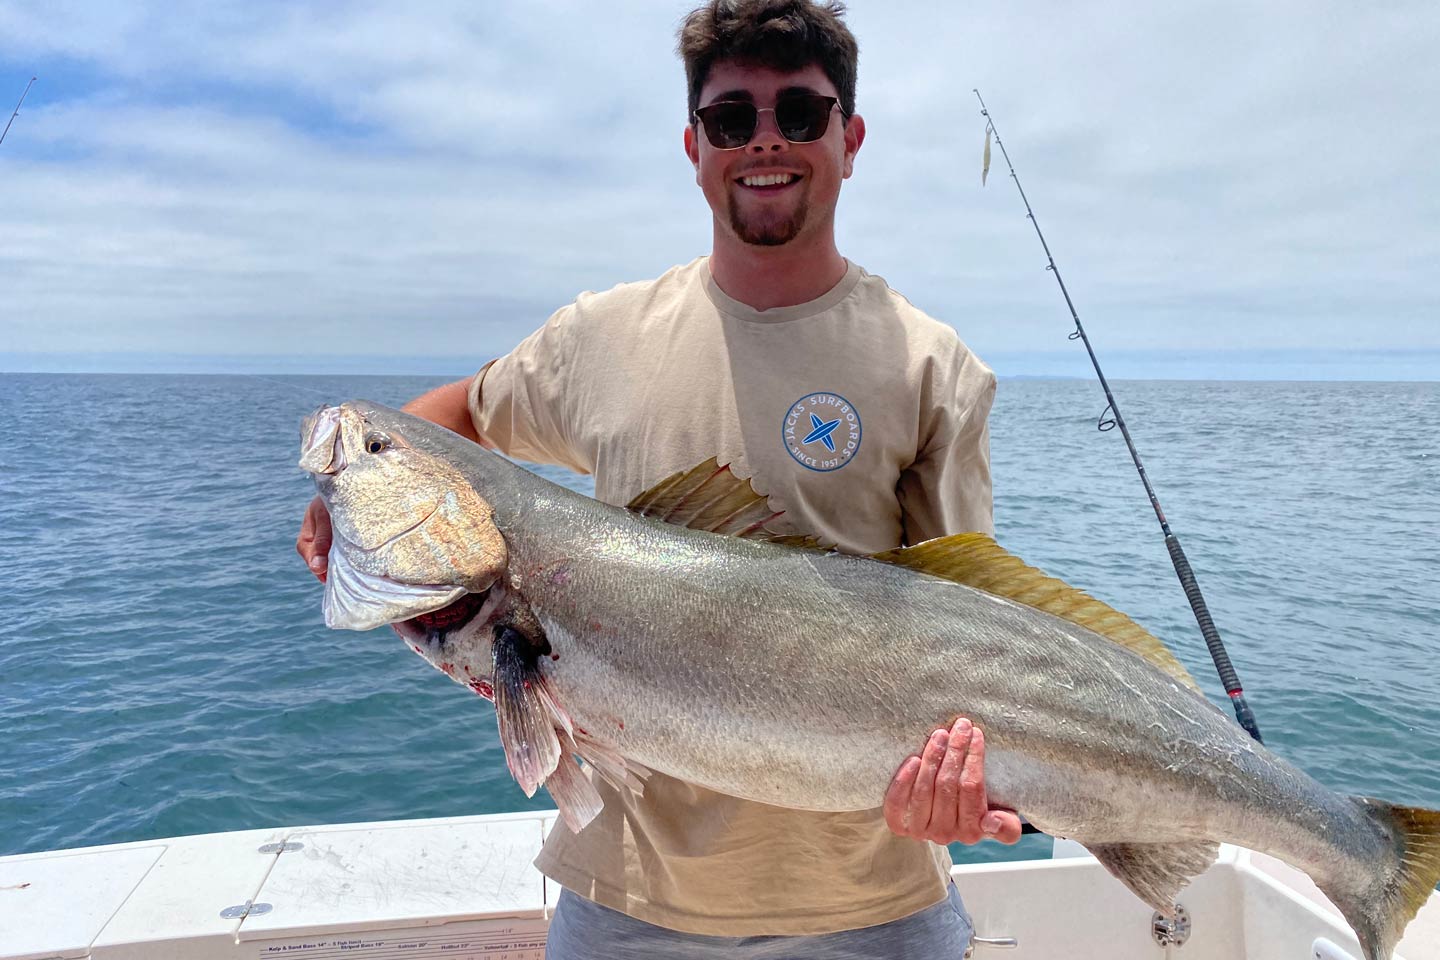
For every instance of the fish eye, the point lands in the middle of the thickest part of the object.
(376, 442)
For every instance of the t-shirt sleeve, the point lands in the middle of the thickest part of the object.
(947, 489)
(519, 402)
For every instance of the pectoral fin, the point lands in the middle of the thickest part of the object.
(577, 799)
(1155, 872)
(526, 716)
(617, 771)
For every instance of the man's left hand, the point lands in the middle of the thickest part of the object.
(939, 795)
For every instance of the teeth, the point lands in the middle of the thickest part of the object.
(767, 180)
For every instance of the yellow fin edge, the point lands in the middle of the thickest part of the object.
(976, 560)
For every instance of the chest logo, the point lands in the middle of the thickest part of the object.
(821, 431)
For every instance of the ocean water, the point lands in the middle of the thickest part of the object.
(164, 668)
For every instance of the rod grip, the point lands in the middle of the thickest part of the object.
(1212, 636)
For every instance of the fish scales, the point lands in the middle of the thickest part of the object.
(803, 678)
(681, 675)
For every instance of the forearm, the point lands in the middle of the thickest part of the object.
(448, 406)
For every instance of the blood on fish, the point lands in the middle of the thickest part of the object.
(556, 572)
(554, 656)
(483, 688)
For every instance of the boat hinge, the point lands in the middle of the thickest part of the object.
(289, 846)
(1171, 933)
(247, 909)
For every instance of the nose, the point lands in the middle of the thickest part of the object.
(767, 138)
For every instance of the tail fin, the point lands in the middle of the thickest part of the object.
(1380, 911)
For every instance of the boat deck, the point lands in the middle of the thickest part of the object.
(463, 888)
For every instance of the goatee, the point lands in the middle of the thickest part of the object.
(768, 234)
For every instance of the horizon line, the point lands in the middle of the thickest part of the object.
(1415, 365)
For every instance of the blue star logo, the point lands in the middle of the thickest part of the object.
(821, 432)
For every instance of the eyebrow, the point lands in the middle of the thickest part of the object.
(748, 97)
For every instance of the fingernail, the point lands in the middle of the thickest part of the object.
(962, 727)
(990, 824)
(940, 738)
(317, 564)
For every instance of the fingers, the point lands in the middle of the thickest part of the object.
(1003, 825)
(945, 815)
(908, 799)
(897, 797)
(922, 797)
(313, 543)
(977, 820)
(940, 795)
(973, 807)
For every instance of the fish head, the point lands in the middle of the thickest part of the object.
(412, 538)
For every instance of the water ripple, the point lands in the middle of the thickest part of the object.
(164, 669)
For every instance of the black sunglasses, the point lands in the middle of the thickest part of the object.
(801, 117)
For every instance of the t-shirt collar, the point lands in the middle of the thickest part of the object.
(740, 311)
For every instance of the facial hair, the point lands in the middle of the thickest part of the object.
(772, 234)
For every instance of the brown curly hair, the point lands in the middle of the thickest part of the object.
(782, 34)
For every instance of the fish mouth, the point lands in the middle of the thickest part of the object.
(457, 615)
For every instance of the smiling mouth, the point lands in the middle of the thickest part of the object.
(768, 182)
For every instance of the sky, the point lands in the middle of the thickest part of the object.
(1229, 189)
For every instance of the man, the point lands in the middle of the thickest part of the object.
(864, 419)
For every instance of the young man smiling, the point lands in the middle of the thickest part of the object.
(861, 417)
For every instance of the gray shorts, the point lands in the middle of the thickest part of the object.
(584, 930)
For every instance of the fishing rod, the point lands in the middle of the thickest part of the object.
(16, 112)
(1223, 666)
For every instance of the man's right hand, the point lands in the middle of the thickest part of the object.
(313, 544)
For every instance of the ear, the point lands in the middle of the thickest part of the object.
(854, 136)
(692, 149)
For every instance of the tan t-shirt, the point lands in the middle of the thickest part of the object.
(857, 414)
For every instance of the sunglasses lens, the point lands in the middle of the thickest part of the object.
(803, 119)
(729, 125)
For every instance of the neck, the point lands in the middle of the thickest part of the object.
(781, 276)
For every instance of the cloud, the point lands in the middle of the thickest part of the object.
(321, 179)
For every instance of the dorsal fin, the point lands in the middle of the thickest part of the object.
(976, 560)
(710, 497)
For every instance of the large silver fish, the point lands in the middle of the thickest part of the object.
(791, 675)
